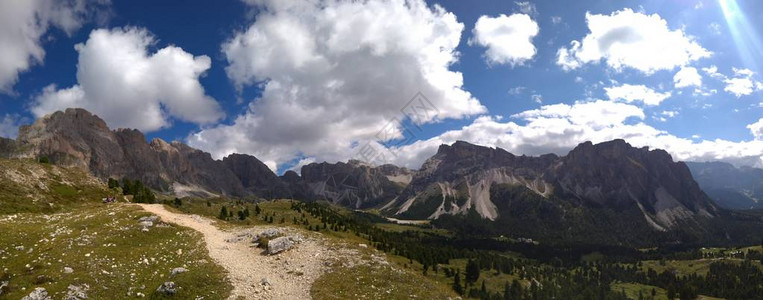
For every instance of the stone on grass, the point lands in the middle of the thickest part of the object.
(38, 294)
(76, 292)
(179, 270)
(167, 288)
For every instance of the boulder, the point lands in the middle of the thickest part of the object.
(167, 288)
(269, 233)
(68, 270)
(76, 292)
(38, 294)
(283, 243)
(151, 219)
(179, 270)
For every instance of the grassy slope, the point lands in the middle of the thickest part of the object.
(56, 216)
(108, 251)
(27, 186)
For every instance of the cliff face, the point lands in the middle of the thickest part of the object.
(77, 138)
(353, 184)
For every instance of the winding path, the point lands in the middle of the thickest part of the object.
(290, 274)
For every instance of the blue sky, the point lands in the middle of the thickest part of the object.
(297, 82)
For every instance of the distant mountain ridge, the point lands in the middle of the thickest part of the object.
(613, 174)
(729, 186)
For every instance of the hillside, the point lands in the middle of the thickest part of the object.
(28, 186)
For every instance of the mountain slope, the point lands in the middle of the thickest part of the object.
(609, 192)
(28, 186)
(729, 186)
(77, 138)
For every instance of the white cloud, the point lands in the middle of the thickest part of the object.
(713, 72)
(9, 125)
(756, 129)
(517, 90)
(129, 87)
(631, 39)
(742, 84)
(527, 7)
(714, 28)
(556, 19)
(508, 38)
(560, 127)
(22, 25)
(537, 98)
(686, 77)
(335, 73)
(633, 93)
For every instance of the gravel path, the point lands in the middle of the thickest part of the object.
(290, 274)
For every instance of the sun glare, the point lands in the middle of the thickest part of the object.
(745, 37)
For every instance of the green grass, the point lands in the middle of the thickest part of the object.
(682, 267)
(108, 251)
(30, 187)
(377, 282)
(632, 290)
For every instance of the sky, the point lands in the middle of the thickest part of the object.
(295, 82)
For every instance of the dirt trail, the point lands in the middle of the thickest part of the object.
(290, 274)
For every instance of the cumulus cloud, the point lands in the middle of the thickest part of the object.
(756, 129)
(128, 87)
(560, 127)
(686, 77)
(335, 74)
(742, 83)
(631, 39)
(508, 39)
(636, 93)
(22, 25)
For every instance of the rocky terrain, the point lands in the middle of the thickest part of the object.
(729, 186)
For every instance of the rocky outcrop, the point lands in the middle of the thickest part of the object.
(353, 184)
(77, 138)
(7, 147)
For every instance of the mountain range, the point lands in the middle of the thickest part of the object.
(606, 193)
(729, 186)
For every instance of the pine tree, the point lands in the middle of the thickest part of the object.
(457, 283)
(507, 291)
(257, 210)
(223, 213)
(126, 186)
(113, 183)
(472, 271)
